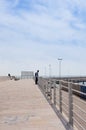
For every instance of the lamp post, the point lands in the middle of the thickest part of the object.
(45, 72)
(49, 70)
(60, 59)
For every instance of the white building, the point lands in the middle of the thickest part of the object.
(27, 74)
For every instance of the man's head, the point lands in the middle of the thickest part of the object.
(37, 70)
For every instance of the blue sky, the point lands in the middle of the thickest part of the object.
(35, 33)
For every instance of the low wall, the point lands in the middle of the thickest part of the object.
(4, 78)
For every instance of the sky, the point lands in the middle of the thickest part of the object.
(35, 33)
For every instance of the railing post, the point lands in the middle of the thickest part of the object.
(70, 103)
(60, 97)
(46, 89)
(50, 92)
(54, 93)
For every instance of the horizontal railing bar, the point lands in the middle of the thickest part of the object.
(79, 116)
(78, 92)
(79, 108)
(65, 111)
(79, 124)
(64, 86)
(80, 100)
(66, 98)
(65, 104)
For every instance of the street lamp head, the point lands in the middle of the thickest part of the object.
(59, 58)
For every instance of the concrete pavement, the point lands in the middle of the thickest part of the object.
(23, 107)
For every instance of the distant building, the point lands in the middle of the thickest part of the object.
(27, 74)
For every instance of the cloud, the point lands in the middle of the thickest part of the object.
(33, 34)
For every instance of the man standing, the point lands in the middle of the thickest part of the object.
(36, 77)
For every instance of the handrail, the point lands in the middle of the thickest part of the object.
(79, 92)
(68, 101)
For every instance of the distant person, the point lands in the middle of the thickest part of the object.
(9, 75)
(36, 77)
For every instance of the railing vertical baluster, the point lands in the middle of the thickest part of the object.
(70, 103)
(51, 93)
(54, 93)
(60, 97)
(46, 89)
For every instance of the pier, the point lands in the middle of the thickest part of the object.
(24, 107)
(46, 106)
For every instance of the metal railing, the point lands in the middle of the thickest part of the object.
(67, 100)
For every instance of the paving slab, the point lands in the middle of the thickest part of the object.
(24, 107)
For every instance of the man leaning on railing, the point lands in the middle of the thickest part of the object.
(36, 77)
